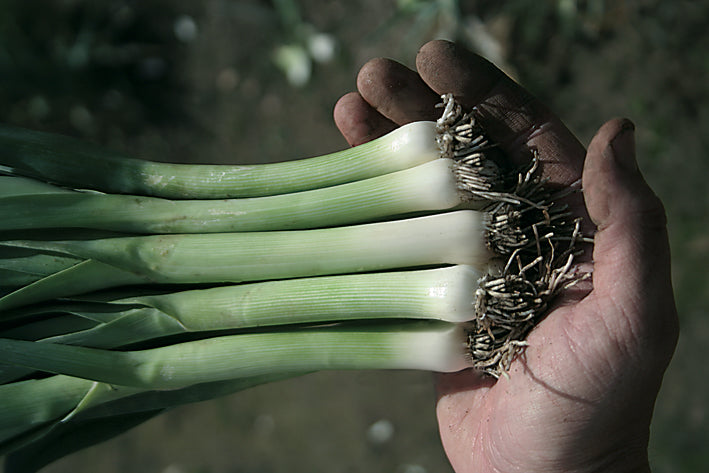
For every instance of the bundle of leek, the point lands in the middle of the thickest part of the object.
(128, 287)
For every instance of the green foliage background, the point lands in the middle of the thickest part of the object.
(198, 81)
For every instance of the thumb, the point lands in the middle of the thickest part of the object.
(631, 275)
(613, 185)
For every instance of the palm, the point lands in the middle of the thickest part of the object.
(552, 406)
(581, 397)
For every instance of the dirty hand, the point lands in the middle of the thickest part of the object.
(581, 398)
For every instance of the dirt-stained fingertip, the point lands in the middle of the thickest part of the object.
(358, 121)
(397, 92)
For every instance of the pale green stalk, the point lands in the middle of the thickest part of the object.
(432, 186)
(436, 294)
(443, 293)
(451, 238)
(77, 164)
(439, 294)
(429, 345)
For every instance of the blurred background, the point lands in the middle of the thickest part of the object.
(255, 80)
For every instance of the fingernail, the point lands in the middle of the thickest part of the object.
(622, 147)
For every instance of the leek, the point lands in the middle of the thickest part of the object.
(434, 186)
(430, 345)
(450, 238)
(73, 163)
(446, 294)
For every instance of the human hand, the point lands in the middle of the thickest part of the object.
(581, 398)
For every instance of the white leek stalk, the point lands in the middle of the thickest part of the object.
(436, 294)
(451, 238)
(432, 346)
(433, 186)
(77, 164)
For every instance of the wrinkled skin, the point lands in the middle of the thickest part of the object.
(582, 396)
